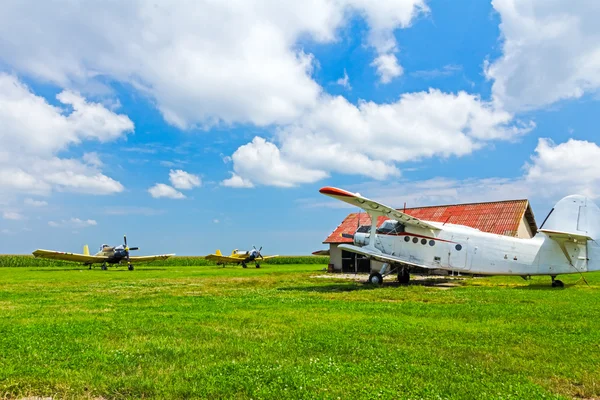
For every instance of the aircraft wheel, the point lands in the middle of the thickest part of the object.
(104, 267)
(403, 276)
(244, 265)
(130, 267)
(257, 265)
(375, 278)
(557, 283)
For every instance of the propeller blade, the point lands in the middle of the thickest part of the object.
(134, 248)
(260, 249)
(125, 240)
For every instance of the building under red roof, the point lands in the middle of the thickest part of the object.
(510, 218)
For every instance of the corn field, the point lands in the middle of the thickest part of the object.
(183, 261)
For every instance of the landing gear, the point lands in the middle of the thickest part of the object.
(375, 278)
(244, 265)
(257, 265)
(403, 276)
(556, 282)
(104, 267)
(130, 267)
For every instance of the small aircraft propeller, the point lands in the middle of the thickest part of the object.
(127, 249)
(258, 251)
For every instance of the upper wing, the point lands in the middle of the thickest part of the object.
(223, 259)
(375, 255)
(375, 207)
(267, 257)
(139, 259)
(59, 255)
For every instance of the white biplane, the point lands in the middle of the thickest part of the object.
(564, 244)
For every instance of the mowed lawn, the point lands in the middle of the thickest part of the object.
(279, 332)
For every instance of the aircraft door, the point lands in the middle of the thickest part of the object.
(458, 253)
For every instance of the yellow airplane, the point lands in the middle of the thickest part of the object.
(106, 255)
(238, 257)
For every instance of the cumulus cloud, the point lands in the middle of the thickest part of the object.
(370, 139)
(344, 81)
(387, 67)
(550, 52)
(262, 161)
(237, 181)
(162, 190)
(73, 223)
(202, 62)
(184, 180)
(37, 131)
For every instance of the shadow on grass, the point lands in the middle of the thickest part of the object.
(356, 286)
(50, 269)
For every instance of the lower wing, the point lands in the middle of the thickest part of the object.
(268, 257)
(378, 256)
(60, 255)
(224, 259)
(139, 259)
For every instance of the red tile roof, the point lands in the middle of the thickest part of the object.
(500, 217)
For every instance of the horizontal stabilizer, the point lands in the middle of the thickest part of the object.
(378, 256)
(562, 235)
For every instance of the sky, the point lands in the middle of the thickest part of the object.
(193, 126)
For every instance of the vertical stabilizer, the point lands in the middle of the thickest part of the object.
(574, 215)
(218, 252)
(86, 250)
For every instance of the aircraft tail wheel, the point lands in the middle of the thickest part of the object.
(403, 276)
(257, 265)
(130, 267)
(558, 283)
(375, 278)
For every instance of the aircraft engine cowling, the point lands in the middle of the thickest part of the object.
(361, 239)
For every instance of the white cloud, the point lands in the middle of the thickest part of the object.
(35, 203)
(202, 62)
(184, 180)
(551, 51)
(12, 215)
(262, 161)
(387, 67)
(344, 81)
(92, 159)
(370, 139)
(37, 131)
(237, 181)
(215, 221)
(162, 190)
(73, 223)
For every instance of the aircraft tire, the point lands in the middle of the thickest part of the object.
(557, 283)
(130, 267)
(375, 278)
(244, 265)
(257, 265)
(404, 276)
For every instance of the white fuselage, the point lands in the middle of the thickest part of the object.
(460, 248)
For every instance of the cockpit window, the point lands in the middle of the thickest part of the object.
(390, 227)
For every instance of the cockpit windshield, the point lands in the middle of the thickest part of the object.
(390, 227)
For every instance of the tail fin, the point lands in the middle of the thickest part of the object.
(86, 250)
(574, 215)
(218, 252)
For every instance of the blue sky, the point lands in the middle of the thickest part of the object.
(442, 102)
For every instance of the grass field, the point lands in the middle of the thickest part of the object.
(279, 332)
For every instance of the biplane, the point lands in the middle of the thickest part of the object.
(566, 242)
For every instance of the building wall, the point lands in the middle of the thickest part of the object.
(335, 256)
(524, 231)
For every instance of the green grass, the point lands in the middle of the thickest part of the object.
(278, 332)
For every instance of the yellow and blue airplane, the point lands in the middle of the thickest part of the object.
(106, 255)
(239, 257)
